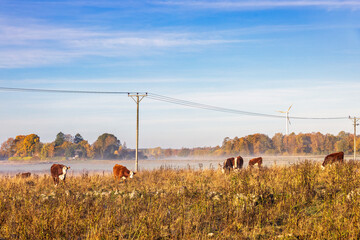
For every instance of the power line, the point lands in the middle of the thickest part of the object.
(172, 100)
(221, 109)
(205, 106)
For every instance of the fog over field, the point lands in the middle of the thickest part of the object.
(105, 166)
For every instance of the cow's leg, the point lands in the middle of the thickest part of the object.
(55, 181)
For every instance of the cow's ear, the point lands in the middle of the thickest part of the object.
(68, 167)
(134, 173)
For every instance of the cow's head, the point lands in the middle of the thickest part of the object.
(132, 174)
(64, 169)
(224, 168)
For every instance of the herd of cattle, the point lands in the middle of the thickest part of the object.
(237, 162)
(59, 171)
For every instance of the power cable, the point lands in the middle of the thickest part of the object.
(172, 100)
(209, 107)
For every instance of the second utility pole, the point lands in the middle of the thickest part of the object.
(355, 124)
(137, 99)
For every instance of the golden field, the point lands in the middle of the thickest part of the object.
(300, 201)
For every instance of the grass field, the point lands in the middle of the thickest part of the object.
(294, 202)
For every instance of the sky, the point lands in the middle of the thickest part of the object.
(254, 56)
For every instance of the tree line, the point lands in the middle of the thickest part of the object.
(65, 146)
(261, 144)
(107, 146)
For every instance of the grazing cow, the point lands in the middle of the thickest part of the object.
(333, 158)
(233, 163)
(255, 162)
(23, 175)
(58, 172)
(122, 172)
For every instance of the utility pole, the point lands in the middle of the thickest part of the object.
(137, 98)
(355, 124)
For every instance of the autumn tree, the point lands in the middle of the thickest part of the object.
(27, 145)
(47, 151)
(329, 143)
(259, 143)
(8, 148)
(86, 150)
(290, 143)
(227, 146)
(244, 146)
(278, 144)
(303, 144)
(105, 146)
(317, 143)
(344, 142)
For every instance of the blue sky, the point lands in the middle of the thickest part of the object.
(259, 56)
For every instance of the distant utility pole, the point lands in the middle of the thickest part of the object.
(137, 98)
(355, 124)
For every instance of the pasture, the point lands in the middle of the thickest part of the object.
(281, 202)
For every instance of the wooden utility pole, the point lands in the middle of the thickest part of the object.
(137, 98)
(355, 124)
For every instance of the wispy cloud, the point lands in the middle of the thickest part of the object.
(41, 44)
(238, 5)
(38, 44)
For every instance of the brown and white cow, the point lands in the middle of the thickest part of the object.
(255, 162)
(333, 158)
(121, 172)
(58, 172)
(233, 163)
(23, 175)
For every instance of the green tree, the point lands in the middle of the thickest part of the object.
(60, 139)
(105, 146)
(78, 138)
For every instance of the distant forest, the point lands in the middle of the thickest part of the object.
(107, 146)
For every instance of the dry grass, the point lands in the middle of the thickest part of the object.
(296, 202)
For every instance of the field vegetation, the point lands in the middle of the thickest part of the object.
(300, 201)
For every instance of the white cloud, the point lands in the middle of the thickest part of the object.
(37, 44)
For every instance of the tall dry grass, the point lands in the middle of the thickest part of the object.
(296, 202)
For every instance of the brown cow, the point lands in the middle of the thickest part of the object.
(58, 172)
(333, 158)
(23, 175)
(233, 163)
(255, 161)
(122, 172)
